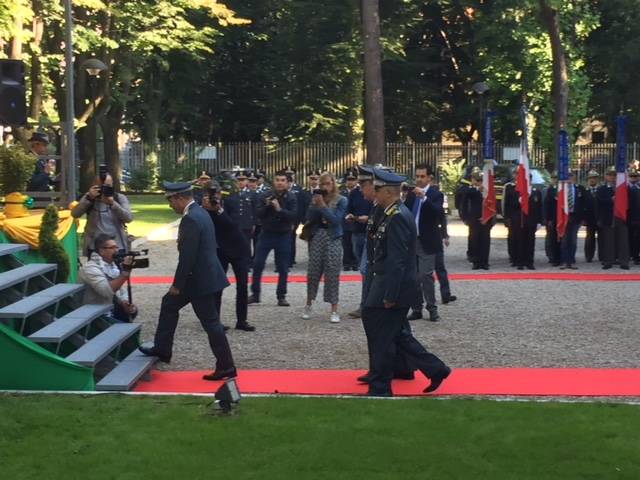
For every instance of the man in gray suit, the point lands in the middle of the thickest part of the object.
(199, 276)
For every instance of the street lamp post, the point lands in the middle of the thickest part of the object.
(480, 88)
(94, 67)
(68, 138)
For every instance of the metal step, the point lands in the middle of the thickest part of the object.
(11, 248)
(103, 344)
(63, 327)
(127, 373)
(22, 274)
(39, 301)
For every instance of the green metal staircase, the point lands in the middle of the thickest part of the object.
(50, 341)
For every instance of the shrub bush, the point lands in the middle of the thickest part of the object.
(16, 168)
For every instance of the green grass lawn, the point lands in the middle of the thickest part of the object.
(119, 437)
(149, 212)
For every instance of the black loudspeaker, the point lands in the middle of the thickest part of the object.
(13, 104)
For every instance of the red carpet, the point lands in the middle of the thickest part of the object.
(464, 381)
(498, 276)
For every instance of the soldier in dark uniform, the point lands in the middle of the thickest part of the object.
(296, 190)
(509, 214)
(242, 205)
(614, 232)
(261, 189)
(198, 278)
(460, 193)
(577, 201)
(523, 226)
(479, 232)
(233, 249)
(392, 287)
(592, 239)
(306, 194)
(551, 243)
(349, 260)
(634, 216)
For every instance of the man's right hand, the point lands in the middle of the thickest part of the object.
(93, 192)
(419, 192)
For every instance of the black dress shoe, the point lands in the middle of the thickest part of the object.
(282, 302)
(404, 376)
(247, 327)
(437, 379)
(606, 266)
(624, 267)
(253, 299)
(221, 374)
(531, 267)
(379, 394)
(475, 267)
(414, 315)
(364, 378)
(434, 317)
(484, 267)
(520, 267)
(450, 298)
(152, 352)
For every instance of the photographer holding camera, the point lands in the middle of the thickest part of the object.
(278, 212)
(104, 279)
(233, 249)
(107, 212)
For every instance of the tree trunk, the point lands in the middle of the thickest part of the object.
(373, 99)
(86, 137)
(35, 102)
(560, 88)
(15, 48)
(110, 127)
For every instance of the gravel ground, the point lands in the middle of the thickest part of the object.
(492, 324)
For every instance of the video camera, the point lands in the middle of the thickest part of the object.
(105, 190)
(137, 262)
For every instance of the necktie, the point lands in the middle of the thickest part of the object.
(416, 208)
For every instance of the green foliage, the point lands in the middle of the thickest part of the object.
(50, 247)
(451, 173)
(16, 168)
(141, 179)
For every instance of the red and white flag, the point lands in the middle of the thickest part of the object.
(562, 208)
(621, 199)
(523, 184)
(489, 202)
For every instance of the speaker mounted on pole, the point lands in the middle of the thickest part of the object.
(13, 102)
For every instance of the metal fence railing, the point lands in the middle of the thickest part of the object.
(184, 160)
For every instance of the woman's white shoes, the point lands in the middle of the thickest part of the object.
(306, 314)
(335, 318)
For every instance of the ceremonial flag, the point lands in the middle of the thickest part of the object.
(562, 208)
(621, 198)
(488, 174)
(523, 184)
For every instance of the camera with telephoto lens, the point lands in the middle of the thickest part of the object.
(406, 188)
(213, 199)
(136, 263)
(106, 191)
(320, 191)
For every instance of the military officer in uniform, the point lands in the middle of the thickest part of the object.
(523, 226)
(634, 216)
(592, 239)
(509, 216)
(198, 278)
(576, 200)
(551, 243)
(242, 206)
(295, 190)
(613, 230)
(392, 287)
(479, 232)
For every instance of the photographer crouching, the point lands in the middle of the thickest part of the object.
(233, 249)
(107, 212)
(104, 279)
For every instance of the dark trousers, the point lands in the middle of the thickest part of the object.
(280, 243)
(524, 243)
(480, 243)
(357, 242)
(254, 239)
(634, 241)
(383, 326)
(552, 246)
(294, 237)
(205, 309)
(511, 250)
(443, 277)
(569, 243)
(401, 365)
(240, 267)
(592, 241)
(615, 243)
(348, 259)
(417, 356)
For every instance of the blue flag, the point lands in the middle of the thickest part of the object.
(563, 156)
(488, 136)
(621, 144)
